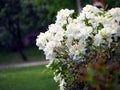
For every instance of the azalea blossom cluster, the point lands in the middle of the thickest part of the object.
(69, 38)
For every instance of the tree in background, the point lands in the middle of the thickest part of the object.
(79, 6)
(10, 20)
(17, 18)
(55, 5)
(33, 16)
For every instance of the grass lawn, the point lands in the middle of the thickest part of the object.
(32, 54)
(27, 78)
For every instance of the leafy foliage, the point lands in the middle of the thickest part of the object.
(56, 5)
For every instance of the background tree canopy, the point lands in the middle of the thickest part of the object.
(22, 13)
(17, 19)
(55, 5)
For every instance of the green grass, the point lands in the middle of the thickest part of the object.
(34, 53)
(27, 78)
(31, 53)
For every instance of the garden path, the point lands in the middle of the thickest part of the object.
(24, 64)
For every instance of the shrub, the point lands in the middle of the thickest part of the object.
(84, 50)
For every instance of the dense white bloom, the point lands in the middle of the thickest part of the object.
(105, 33)
(70, 20)
(49, 49)
(73, 36)
(72, 30)
(41, 41)
(115, 12)
(53, 28)
(98, 39)
(85, 32)
(89, 15)
(63, 15)
(59, 36)
(90, 8)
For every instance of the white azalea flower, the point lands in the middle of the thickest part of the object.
(49, 49)
(115, 12)
(62, 83)
(41, 41)
(57, 77)
(62, 16)
(90, 8)
(98, 40)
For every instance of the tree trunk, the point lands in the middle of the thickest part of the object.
(20, 50)
(79, 6)
(20, 42)
(14, 27)
(16, 35)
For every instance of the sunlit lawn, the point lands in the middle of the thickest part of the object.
(27, 78)
(32, 54)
